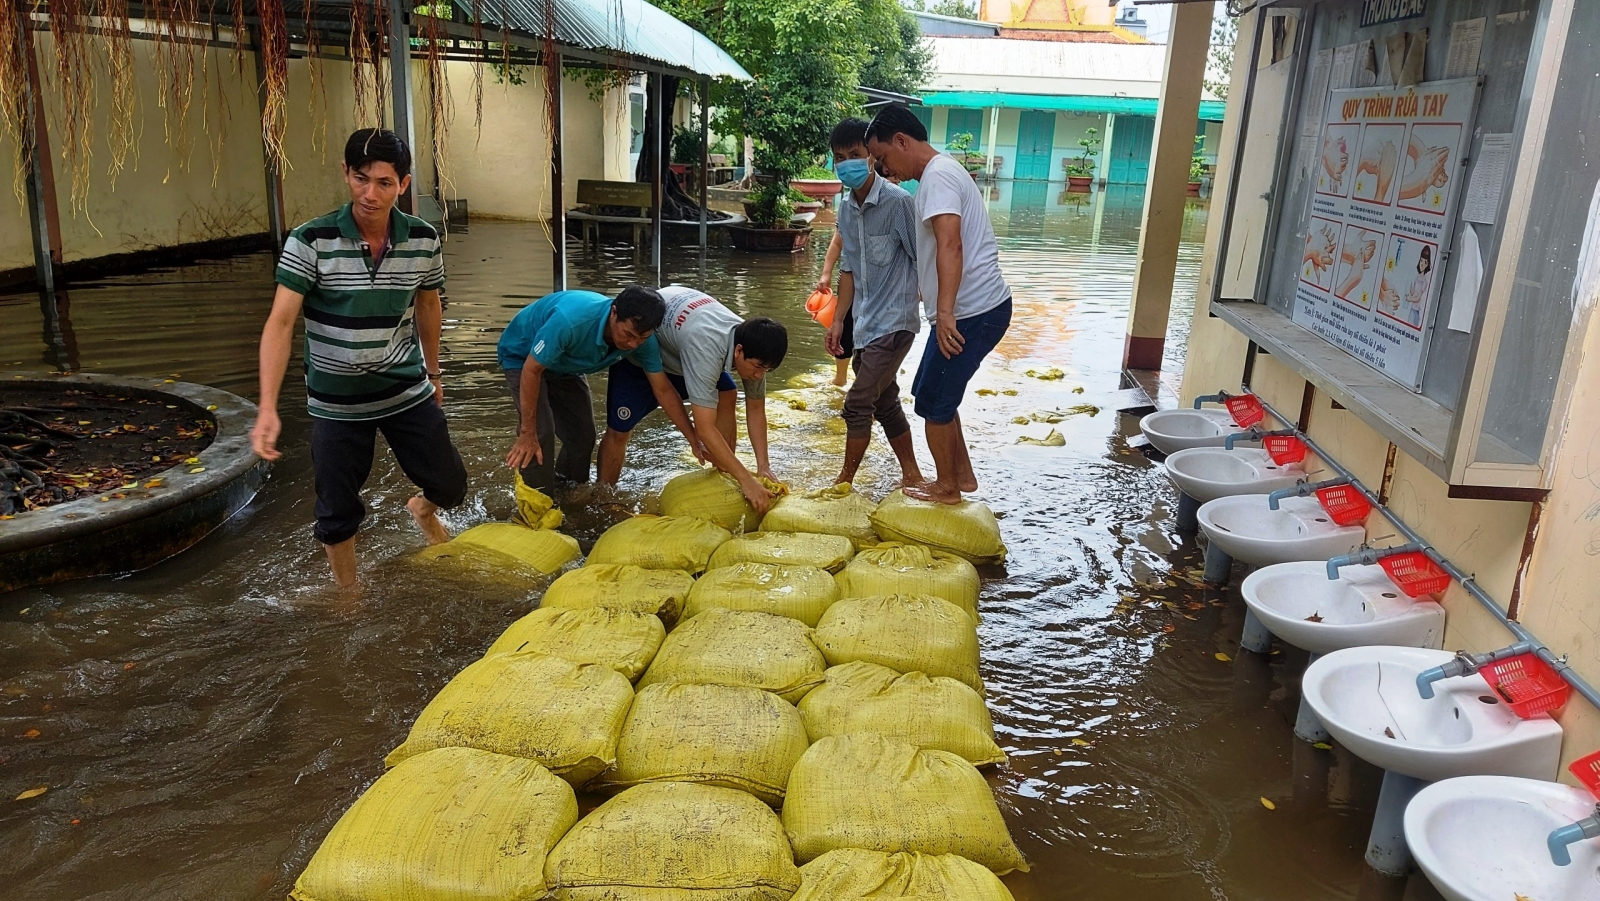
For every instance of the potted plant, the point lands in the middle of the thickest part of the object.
(960, 147)
(771, 226)
(1197, 166)
(1080, 171)
(818, 184)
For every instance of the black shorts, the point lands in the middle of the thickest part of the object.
(629, 397)
(341, 459)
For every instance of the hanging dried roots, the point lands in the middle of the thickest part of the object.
(275, 62)
(74, 78)
(16, 106)
(122, 135)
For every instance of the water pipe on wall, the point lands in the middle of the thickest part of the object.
(1468, 582)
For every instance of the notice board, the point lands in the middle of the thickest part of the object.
(1386, 186)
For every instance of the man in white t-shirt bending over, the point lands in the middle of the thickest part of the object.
(963, 293)
(701, 342)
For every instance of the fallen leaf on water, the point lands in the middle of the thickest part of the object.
(1388, 732)
(1169, 627)
(1020, 420)
(83, 422)
(31, 733)
(1268, 804)
(168, 381)
(1322, 746)
(1224, 657)
(128, 666)
(1046, 375)
(1054, 439)
(76, 822)
(986, 392)
(1010, 392)
(197, 469)
(129, 428)
(1081, 743)
(155, 483)
(212, 407)
(1078, 390)
(155, 459)
(192, 461)
(33, 792)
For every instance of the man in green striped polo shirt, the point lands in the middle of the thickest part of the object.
(367, 277)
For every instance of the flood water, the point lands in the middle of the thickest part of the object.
(202, 725)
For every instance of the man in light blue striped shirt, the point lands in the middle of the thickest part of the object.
(878, 281)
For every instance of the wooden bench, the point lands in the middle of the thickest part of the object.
(596, 194)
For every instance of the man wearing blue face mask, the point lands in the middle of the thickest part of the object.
(878, 283)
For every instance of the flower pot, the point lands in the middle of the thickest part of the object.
(808, 206)
(1079, 183)
(1194, 189)
(769, 240)
(817, 188)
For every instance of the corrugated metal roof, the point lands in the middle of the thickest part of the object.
(633, 27)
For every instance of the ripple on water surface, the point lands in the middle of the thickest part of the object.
(203, 724)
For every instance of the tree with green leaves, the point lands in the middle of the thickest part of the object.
(1219, 62)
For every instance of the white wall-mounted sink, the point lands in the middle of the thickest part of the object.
(1482, 838)
(1207, 473)
(1249, 531)
(1367, 699)
(1299, 603)
(1171, 431)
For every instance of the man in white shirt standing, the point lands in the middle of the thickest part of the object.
(963, 292)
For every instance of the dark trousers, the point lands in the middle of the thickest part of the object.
(341, 459)
(566, 411)
(875, 394)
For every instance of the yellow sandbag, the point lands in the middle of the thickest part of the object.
(906, 633)
(657, 591)
(624, 640)
(895, 568)
(709, 494)
(829, 511)
(867, 791)
(535, 509)
(742, 738)
(931, 712)
(852, 874)
(660, 542)
(675, 841)
(740, 647)
(798, 592)
(829, 552)
(566, 716)
(967, 529)
(543, 549)
(455, 824)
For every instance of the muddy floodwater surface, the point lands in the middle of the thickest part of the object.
(201, 725)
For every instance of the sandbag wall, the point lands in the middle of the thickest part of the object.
(794, 712)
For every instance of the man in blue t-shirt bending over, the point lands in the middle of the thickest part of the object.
(548, 350)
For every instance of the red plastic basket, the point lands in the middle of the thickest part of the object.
(1587, 769)
(1415, 574)
(1284, 449)
(1527, 684)
(1245, 409)
(1345, 505)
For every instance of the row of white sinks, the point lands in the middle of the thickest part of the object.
(1479, 832)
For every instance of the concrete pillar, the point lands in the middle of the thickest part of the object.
(994, 137)
(1103, 170)
(1176, 117)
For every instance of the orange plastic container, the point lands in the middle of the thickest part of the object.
(1245, 409)
(1415, 573)
(1284, 449)
(1527, 684)
(820, 306)
(1345, 505)
(1587, 769)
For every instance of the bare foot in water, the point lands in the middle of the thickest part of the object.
(937, 491)
(425, 513)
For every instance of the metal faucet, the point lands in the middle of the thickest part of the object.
(1217, 398)
(1302, 489)
(1464, 664)
(1588, 827)
(1368, 556)
(1254, 434)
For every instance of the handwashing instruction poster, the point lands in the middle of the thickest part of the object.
(1385, 189)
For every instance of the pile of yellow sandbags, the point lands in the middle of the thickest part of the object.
(839, 688)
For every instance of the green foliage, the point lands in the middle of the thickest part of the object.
(1083, 166)
(807, 58)
(686, 145)
(1219, 61)
(959, 144)
(961, 9)
(1197, 162)
(771, 206)
(818, 172)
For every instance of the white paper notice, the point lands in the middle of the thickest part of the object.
(1321, 69)
(1366, 65)
(1482, 202)
(1468, 264)
(1466, 44)
(1344, 68)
